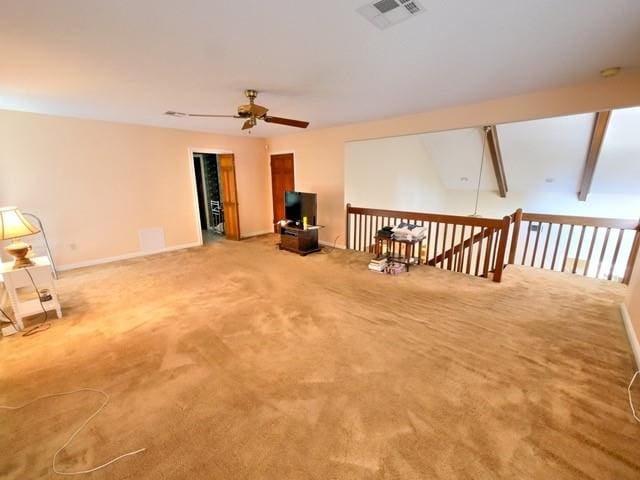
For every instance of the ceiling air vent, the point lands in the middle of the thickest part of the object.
(384, 13)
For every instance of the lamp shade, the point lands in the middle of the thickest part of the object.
(14, 225)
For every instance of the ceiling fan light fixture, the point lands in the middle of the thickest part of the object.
(610, 72)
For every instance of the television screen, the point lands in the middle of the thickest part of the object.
(298, 205)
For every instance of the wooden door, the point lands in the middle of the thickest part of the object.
(229, 196)
(282, 180)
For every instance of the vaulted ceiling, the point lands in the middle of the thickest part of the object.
(130, 61)
(546, 155)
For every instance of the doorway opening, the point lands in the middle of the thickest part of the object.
(215, 195)
(207, 174)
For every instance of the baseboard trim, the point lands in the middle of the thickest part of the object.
(256, 234)
(126, 256)
(631, 333)
(324, 243)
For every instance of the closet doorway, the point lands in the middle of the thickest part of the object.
(215, 190)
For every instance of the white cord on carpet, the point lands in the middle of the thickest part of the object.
(633, 410)
(73, 435)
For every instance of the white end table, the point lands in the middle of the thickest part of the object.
(14, 279)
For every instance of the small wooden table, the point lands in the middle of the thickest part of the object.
(299, 240)
(40, 275)
(409, 249)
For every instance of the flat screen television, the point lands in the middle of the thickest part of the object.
(298, 205)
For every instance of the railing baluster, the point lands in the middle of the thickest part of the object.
(470, 253)
(482, 229)
(535, 246)
(347, 227)
(374, 230)
(367, 232)
(526, 243)
(394, 243)
(566, 251)
(495, 250)
(615, 253)
(546, 244)
(462, 249)
(602, 252)
(555, 251)
(450, 261)
(435, 244)
(593, 242)
(575, 261)
(444, 245)
(426, 254)
(487, 255)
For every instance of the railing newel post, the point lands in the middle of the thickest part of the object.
(502, 248)
(517, 220)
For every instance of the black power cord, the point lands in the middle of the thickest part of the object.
(37, 328)
(327, 250)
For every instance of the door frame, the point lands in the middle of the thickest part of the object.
(194, 191)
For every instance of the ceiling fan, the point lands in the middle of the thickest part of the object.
(251, 112)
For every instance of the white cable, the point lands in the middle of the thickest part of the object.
(73, 435)
(633, 410)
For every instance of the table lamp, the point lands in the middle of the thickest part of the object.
(13, 226)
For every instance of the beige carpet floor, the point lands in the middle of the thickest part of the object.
(238, 361)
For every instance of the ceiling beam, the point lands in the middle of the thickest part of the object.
(496, 159)
(597, 137)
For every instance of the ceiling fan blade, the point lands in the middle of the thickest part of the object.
(253, 109)
(286, 121)
(171, 113)
(210, 115)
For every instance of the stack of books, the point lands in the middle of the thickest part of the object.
(378, 264)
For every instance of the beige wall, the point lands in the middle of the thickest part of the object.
(319, 154)
(633, 299)
(95, 184)
(412, 184)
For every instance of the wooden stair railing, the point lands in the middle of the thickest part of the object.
(592, 247)
(460, 246)
(456, 243)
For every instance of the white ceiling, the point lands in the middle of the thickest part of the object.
(456, 156)
(130, 61)
(546, 155)
(618, 167)
(551, 148)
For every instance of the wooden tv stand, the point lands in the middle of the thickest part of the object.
(298, 240)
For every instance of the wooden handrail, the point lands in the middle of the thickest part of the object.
(625, 224)
(429, 217)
